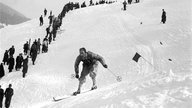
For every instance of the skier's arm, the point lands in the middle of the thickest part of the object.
(99, 58)
(76, 66)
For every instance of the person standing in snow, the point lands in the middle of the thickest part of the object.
(38, 46)
(124, 5)
(45, 45)
(45, 12)
(90, 64)
(25, 66)
(6, 56)
(2, 71)
(33, 52)
(129, 1)
(41, 20)
(1, 96)
(11, 63)
(26, 48)
(11, 51)
(8, 95)
(48, 30)
(163, 17)
(19, 61)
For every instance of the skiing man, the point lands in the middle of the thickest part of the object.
(163, 17)
(90, 64)
(8, 95)
(1, 96)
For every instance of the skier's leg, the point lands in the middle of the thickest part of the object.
(82, 79)
(93, 74)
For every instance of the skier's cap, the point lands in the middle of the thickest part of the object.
(82, 49)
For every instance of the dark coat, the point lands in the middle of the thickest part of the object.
(11, 51)
(2, 71)
(1, 96)
(9, 92)
(19, 61)
(5, 58)
(25, 65)
(34, 52)
(163, 17)
(26, 46)
(1, 93)
(11, 62)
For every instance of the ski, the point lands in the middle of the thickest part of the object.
(55, 99)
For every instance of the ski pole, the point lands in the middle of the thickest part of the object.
(118, 78)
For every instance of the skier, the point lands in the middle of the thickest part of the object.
(8, 95)
(163, 17)
(25, 66)
(11, 63)
(19, 61)
(124, 5)
(6, 56)
(2, 71)
(1, 96)
(41, 20)
(90, 64)
(26, 48)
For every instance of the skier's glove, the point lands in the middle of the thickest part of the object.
(77, 76)
(105, 66)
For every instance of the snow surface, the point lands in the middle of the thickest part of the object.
(153, 82)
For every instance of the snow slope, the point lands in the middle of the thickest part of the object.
(162, 80)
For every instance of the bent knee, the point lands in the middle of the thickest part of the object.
(92, 74)
(82, 80)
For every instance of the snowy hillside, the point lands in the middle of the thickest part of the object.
(162, 80)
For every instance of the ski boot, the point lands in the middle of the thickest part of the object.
(75, 93)
(94, 87)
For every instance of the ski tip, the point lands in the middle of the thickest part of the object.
(54, 99)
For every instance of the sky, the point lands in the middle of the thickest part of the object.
(34, 8)
(160, 79)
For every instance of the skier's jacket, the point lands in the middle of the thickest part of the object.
(90, 60)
